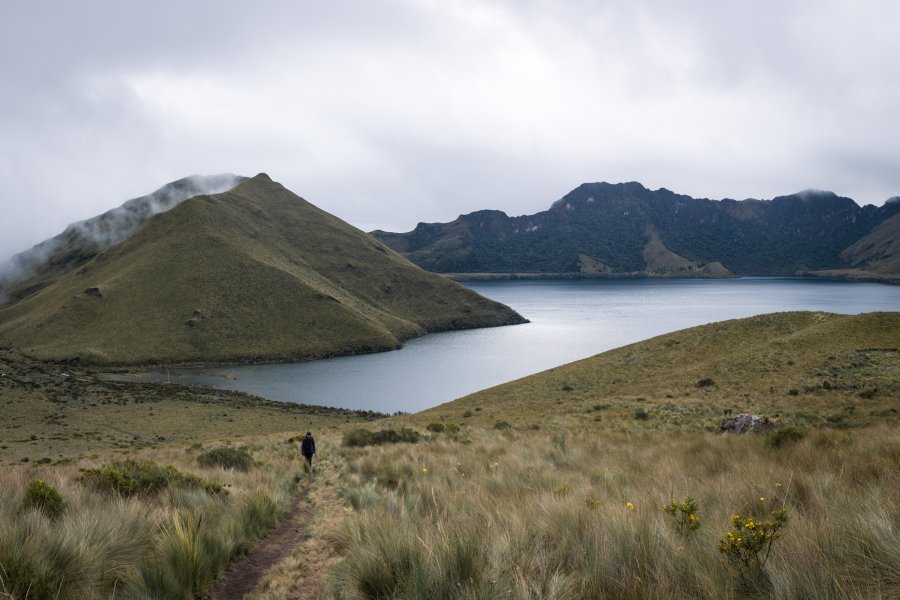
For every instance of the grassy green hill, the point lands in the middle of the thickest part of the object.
(35, 268)
(805, 368)
(252, 274)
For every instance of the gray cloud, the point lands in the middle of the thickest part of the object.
(114, 225)
(387, 113)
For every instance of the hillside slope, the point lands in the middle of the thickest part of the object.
(252, 274)
(31, 270)
(608, 229)
(876, 256)
(805, 367)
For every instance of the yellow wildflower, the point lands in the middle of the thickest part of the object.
(629, 506)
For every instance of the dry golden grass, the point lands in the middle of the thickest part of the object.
(509, 512)
(545, 515)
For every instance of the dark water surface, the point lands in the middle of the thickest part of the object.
(569, 320)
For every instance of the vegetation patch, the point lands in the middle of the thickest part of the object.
(364, 437)
(142, 477)
(227, 458)
(43, 497)
(785, 436)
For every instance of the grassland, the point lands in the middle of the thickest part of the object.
(548, 487)
(803, 368)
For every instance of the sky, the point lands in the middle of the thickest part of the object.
(390, 112)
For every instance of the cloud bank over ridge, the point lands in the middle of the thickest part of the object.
(387, 113)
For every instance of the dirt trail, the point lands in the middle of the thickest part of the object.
(244, 574)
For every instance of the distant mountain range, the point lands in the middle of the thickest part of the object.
(252, 274)
(603, 229)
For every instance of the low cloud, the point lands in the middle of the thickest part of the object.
(113, 226)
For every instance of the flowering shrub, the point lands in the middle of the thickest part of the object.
(750, 540)
(684, 514)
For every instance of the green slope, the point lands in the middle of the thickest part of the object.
(29, 271)
(810, 368)
(253, 274)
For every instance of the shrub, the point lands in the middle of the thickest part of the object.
(43, 497)
(435, 427)
(748, 544)
(785, 435)
(467, 414)
(144, 477)
(363, 437)
(641, 414)
(227, 458)
(501, 425)
(684, 514)
(705, 382)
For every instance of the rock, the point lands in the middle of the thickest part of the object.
(746, 423)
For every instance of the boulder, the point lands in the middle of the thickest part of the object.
(747, 423)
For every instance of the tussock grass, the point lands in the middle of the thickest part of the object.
(511, 515)
(172, 543)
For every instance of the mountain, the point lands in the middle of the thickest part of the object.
(252, 274)
(607, 229)
(31, 270)
(876, 256)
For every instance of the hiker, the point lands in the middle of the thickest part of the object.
(308, 447)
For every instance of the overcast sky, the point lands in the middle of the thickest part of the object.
(387, 113)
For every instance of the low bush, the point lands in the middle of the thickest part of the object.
(227, 458)
(363, 437)
(43, 497)
(141, 477)
(501, 425)
(684, 514)
(435, 427)
(784, 436)
(748, 545)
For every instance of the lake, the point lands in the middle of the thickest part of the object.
(570, 319)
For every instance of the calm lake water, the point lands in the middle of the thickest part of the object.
(569, 320)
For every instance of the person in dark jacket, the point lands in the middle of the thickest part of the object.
(308, 447)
